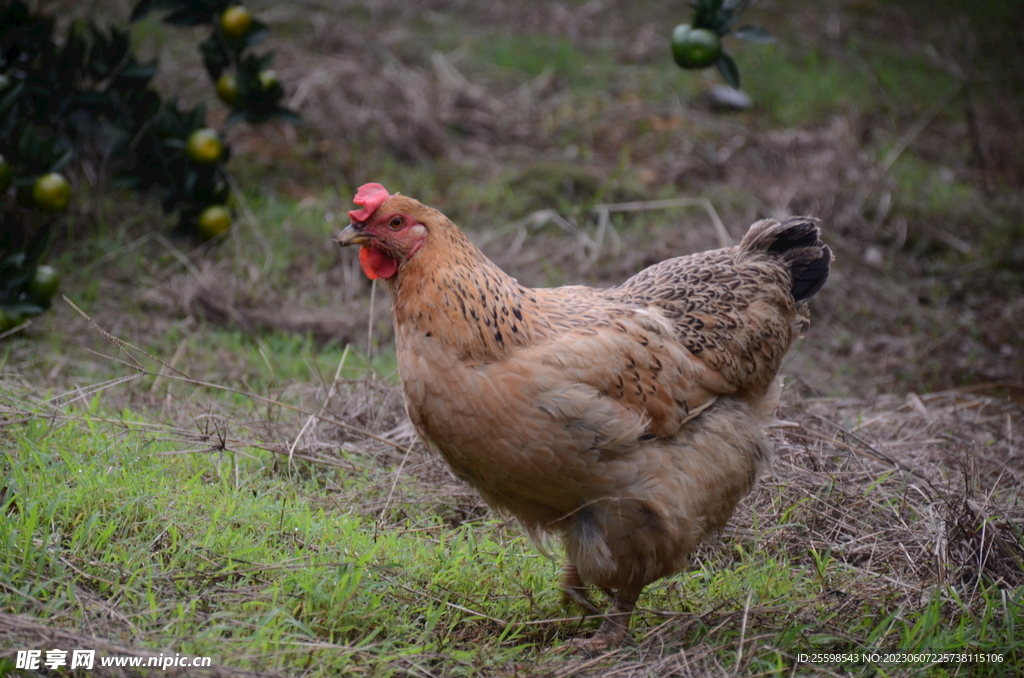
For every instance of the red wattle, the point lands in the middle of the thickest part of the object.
(375, 263)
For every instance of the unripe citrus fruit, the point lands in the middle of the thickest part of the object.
(213, 221)
(227, 89)
(235, 22)
(44, 284)
(268, 79)
(204, 146)
(695, 47)
(10, 321)
(51, 192)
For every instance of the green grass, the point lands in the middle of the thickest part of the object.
(796, 87)
(222, 555)
(924, 188)
(794, 90)
(533, 55)
(202, 556)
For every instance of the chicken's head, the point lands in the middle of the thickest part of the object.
(387, 236)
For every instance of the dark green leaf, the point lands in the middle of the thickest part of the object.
(705, 13)
(62, 160)
(25, 310)
(128, 181)
(216, 58)
(191, 178)
(196, 118)
(89, 100)
(28, 144)
(11, 98)
(136, 71)
(256, 34)
(142, 8)
(288, 115)
(725, 23)
(236, 117)
(37, 247)
(13, 262)
(730, 73)
(188, 17)
(118, 48)
(265, 61)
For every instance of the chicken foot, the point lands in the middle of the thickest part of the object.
(615, 626)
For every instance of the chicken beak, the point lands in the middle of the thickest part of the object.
(352, 236)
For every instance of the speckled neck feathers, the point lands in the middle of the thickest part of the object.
(451, 291)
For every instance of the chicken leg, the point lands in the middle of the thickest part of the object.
(573, 589)
(615, 626)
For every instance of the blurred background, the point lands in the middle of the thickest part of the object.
(898, 124)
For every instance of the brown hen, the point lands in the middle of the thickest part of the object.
(628, 421)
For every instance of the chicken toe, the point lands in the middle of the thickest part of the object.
(613, 629)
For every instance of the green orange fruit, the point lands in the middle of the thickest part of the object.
(235, 22)
(51, 192)
(268, 79)
(10, 320)
(227, 89)
(44, 284)
(695, 47)
(204, 146)
(213, 221)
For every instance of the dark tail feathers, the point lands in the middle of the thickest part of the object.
(797, 241)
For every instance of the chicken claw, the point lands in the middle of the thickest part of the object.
(613, 629)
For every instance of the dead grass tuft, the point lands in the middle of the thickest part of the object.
(361, 96)
(917, 491)
(216, 295)
(24, 632)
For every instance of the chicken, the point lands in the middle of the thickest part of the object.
(628, 422)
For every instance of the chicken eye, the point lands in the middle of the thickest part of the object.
(396, 223)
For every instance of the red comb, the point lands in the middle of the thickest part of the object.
(370, 197)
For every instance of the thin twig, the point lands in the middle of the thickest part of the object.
(252, 223)
(724, 239)
(743, 630)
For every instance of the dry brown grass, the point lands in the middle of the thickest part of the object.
(25, 632)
